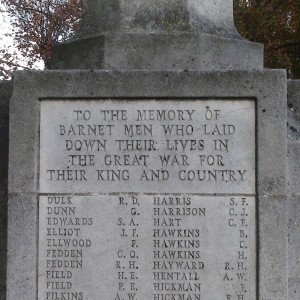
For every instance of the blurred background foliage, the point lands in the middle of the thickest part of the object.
(276, 24)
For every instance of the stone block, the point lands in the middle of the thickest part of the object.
(5, 93)
(294, 110)
(294, 237)
(113, 151)
(158, 51)
(272, 247)
(95, 263)
(158, 35)
(24, 123)
(22, 247)
(158, 16)
(294, 290)
(293, 183)
(293, 187)
(266, 89)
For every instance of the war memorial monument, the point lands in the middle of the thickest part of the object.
(153, 162)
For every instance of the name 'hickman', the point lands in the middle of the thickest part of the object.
(177, 287)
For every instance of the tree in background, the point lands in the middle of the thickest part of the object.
(276, 24)
(38, 25)
(8, 63)
(7, 53)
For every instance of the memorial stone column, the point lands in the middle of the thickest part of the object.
(148, 164)
(157, 35)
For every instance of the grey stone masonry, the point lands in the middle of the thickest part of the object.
(5, 92)
(156, 35)
(32, 89)
(167, 16)
(294, 187)
(94, 133)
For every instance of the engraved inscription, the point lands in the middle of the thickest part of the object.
(156, 247)
(147, 200)
(148, 146)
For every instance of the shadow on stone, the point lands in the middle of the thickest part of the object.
(5, 93)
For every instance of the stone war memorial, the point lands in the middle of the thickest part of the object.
(153, 162)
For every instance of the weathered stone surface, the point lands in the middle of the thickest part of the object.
(272, 244)
(199, 254)
(267, 88)
(293, 185)
(158, 51)
(241, 224)
(22, 246)
(293, 168)
(157, 35)
(201, 151)
(5, 92)
(178, 146)
(159, 16)
(294, 111)
(294, 244)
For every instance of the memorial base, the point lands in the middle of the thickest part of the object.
(158, 51)
(253, 106)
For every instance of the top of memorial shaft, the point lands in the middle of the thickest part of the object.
(158, 35)
(209, 16)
